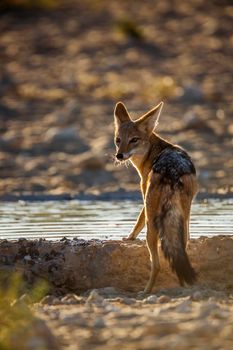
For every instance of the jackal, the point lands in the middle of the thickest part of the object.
(168, 185)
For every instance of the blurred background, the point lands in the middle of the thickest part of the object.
(64, 65)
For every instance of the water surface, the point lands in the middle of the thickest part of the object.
(100, 219)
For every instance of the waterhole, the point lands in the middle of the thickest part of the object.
(100, 219)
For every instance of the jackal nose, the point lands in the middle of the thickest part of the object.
(119, 156)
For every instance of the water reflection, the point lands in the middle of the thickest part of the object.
(99, 219)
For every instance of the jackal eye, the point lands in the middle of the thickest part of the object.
(118, 140)
(134, 139)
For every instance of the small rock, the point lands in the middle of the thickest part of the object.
(65, 139)
(56, 301)
(22, 240)
(4, 242)
(230, 129)
(71, 299)
(152, 299)
(164, 299)
(76, 319)
(205, 175)
(61, 134)
(184, 307)
(80, 242)
(108, 291)
(193, 121)
(128, 301)
(191, 94)
(207, 309)
(211, 300)
(111, 308)
(54, 315)
(27, 258)
(196, 296)
(90, 161)
(99, 322)
(160, 329)
(95, 298)
(50, 300)
(25, 298)
(6, 260)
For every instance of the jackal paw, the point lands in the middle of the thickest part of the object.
(141, 294)
(129, 238)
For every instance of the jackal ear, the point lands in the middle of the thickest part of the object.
(121, 114)
(150, 120)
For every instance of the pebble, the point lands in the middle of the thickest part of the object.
(152, 299)
(71, 299)
(77, 320)
(99, 322)
(95, 298)
(27, 258)
(108, 291)
(65, 139)
(230, 129)
(50, 300)
(184, 306)
(206, 309)
(160, 329)
(61, 134)
(25, 298)
(194, 122)
(191, 94)
(55, 315)
(164, 299)
(128, 301)
(196, 296)
(90, 161)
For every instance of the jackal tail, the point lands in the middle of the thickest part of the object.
(171, 226)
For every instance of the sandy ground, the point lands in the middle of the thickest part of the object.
(95, 301)
(106, 319)
(62, 71)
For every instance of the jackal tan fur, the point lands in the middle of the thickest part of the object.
(168, 185)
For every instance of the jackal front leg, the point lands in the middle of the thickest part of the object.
(137, 227)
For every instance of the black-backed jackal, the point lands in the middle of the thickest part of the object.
(168, 185)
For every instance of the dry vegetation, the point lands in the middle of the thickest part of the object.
(19, 328)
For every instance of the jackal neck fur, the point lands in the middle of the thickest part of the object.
(143, 163)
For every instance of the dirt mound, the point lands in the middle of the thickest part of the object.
(79, 265)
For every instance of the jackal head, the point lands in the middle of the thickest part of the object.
(132, 138)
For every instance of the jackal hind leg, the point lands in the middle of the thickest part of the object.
(152, 244)
(189, 189)
(151, 208)
(186, 232)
